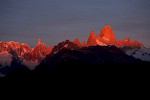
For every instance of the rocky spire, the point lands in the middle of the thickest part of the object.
(77, 42)
(92, 39)
(107, 35)
(39, 42)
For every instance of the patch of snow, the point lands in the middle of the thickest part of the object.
(143, 53)
(41, 55)
(130, 52)
(25, 50)
(30, 64)
(5, 59)
(106, 39)
(66, 45)
(100, 43)
(55, 52)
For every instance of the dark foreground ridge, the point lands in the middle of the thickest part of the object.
(68, 61)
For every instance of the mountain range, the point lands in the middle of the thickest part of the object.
(99, 50)
(107, 37)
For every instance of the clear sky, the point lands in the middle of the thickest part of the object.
(56, 20)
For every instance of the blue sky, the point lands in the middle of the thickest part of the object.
(57, 20)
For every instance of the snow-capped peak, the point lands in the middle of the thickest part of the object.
(107, 37)
(23, 51)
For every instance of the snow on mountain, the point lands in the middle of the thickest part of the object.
(5, 59)
(142, 53)
(83, 57)
(100, 43)
(108, 37)
(30, 56)
(30, 64)
(26, 52)
(64, 45)
(9, 61)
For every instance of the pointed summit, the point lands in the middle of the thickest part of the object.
(41, 50)
(107, 35)
(77, 42)
(92, 39)
(84, 44)
(63, 46)
(39, 42)
(93, 35)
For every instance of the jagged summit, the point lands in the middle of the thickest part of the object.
(98, 50)
(92, 39)
(38, 53)
(39, 42)
(80, 44)
(77, 42)
(64, 45)
(25, 52)
(107, 37)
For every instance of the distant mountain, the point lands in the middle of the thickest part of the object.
(77, 42)
(29, 56)
(99, 51)
(94, 40)
(25, 51)
(107, 37)
(64, 45)
(9, 62)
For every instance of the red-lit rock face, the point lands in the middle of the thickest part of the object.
(129, 43)
(92, 39)
(77, 42)
(26, 52)
(41, 50)
(107, 37)
(84, 44)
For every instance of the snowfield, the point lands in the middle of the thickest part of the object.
(143, 53)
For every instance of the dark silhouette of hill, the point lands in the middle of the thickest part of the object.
(73, 61)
